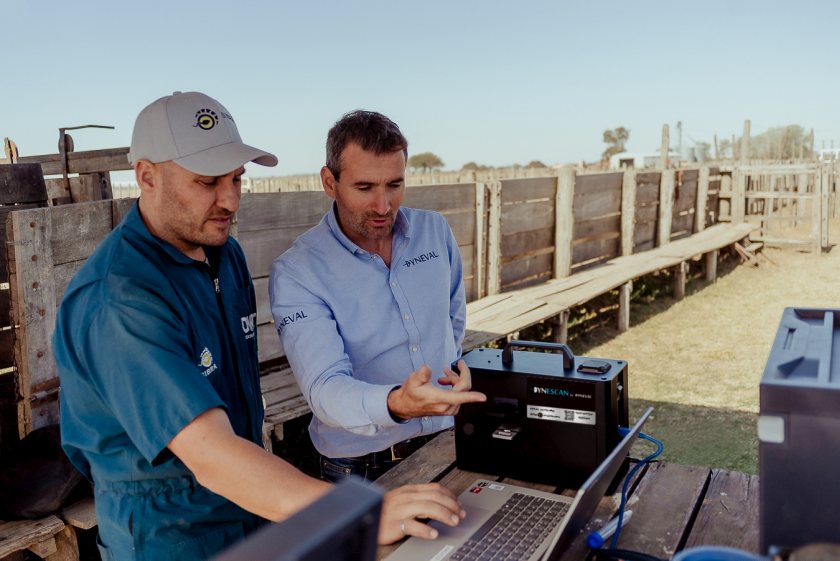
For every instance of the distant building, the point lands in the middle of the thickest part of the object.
(633, 160)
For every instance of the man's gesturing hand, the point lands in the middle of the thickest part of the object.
(418, 397)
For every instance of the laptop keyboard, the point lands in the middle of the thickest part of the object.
(515, 531)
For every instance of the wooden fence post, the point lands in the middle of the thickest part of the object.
(480, 266)
(564, 222)
(628, 230)
(33, 303)
(824, 208)
(702, 199)
(494, 239)
(666, 207)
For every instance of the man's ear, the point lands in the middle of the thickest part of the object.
(328, 181)
(144, 173)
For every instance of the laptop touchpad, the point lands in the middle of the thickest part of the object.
(475, 517)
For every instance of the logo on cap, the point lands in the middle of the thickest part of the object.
(206, 119)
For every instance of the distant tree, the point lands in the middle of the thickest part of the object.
(472, 166)
(536, 164)
(779, 143)
(703, 151)
(425, 162)
(616, 138)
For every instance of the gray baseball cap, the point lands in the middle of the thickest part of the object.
(196, 132)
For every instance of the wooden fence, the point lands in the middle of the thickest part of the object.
(512, 233)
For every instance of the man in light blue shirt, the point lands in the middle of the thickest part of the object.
(370, 307)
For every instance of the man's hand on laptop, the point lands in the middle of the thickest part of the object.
(418, 397)
(402, 507)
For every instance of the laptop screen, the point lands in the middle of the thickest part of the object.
(341, 526)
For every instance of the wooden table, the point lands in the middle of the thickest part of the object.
(674, 506)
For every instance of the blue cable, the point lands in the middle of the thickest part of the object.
(636, 468)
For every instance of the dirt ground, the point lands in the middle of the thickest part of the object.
(699, 361)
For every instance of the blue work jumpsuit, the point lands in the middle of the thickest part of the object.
(144, 343)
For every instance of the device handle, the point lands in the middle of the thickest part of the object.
(568, 355)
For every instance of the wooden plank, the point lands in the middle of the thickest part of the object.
(66, 546)
(81, 514)
(22, 183)
(586, 184)
(524, 268)
(262, 247)
(592, 205)
(523, 217)
(119, 208)
(728, 515)
(599, 250)
(295, 211)
(78, 229)
(597, 228)
(685, 190)
(31, 234)
(624, 293)
(521, 190)
(441, 198)
(526, 242)
(564, 221)
(90, 161)
(668, 494)
(21, 534)
(62, 275)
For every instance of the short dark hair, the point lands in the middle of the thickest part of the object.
(372, 131)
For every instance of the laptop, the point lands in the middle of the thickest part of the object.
(538, 525)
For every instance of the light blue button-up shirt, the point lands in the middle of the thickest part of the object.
(354, 329)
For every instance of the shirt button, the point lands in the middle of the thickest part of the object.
(425, 419)
(414, 349)
(405, 316)
(393, 284)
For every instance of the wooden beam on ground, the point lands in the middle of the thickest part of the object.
(66, 546)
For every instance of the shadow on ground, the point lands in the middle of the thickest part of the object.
(700, 436)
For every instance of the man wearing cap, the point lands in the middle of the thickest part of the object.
(161, 404)
(370, 307)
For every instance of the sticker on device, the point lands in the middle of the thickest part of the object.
(561, 415)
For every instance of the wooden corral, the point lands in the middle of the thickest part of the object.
(532, 248)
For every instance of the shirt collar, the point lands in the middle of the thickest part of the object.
(134, 222)
(402, 228)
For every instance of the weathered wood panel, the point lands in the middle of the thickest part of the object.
(524, 242)
(522, 217)
(521, 190)
(21, 183)
(596, 251)
(596, 228)
(89, 161)
(441, 198)
(597, 195)
(685, 193)
(78, 228)
(526, 268)
(728, 515)
(667, 496)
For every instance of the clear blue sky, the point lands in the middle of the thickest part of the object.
(495, 82)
